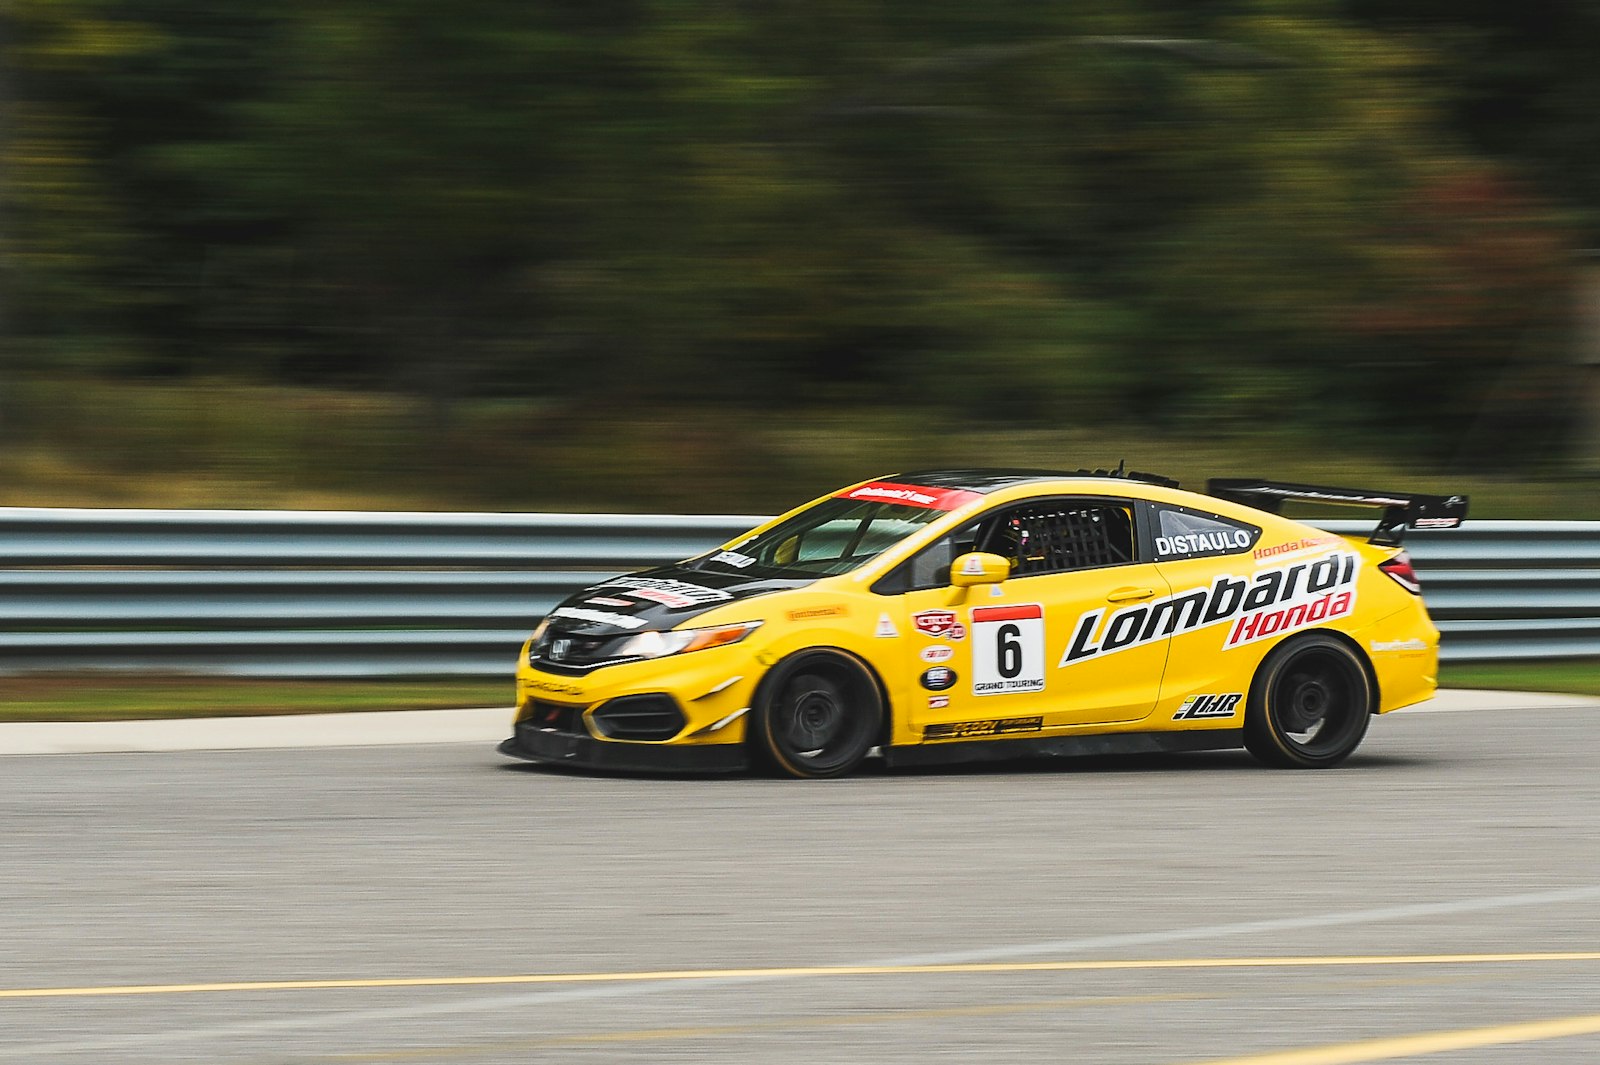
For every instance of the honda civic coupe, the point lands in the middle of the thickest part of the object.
(951, 615)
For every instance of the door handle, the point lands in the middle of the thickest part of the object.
(1124, 595)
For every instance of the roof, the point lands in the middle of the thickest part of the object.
(985, 481)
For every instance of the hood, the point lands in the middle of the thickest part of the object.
(661, 598)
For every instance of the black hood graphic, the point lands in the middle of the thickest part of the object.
(661, 598)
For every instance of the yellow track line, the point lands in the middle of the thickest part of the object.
(798, 971)
(1407, 1046)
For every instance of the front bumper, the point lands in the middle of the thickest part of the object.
(564, 748)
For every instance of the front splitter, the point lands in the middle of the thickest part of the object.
(562, 748)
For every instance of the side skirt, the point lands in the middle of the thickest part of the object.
(941, 753)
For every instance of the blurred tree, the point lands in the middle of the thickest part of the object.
(1519, 80)
(63, 231)
(1196, 215)
(167, 113)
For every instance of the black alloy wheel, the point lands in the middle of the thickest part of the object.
(818, 715)
(1309, 705)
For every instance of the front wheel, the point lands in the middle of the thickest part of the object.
(818, 715)
(1309, 705)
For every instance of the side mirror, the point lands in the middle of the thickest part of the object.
(979, 567)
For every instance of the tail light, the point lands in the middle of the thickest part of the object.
(1399, 567)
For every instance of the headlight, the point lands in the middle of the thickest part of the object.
(533, 641)
(653, 644)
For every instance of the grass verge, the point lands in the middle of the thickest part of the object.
(1577, 676)
(120, 698)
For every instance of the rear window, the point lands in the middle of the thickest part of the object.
(1185, 533)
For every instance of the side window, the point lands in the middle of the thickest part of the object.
(930, 567)
(1185, 533)
(1056, 536)
(1046, 537)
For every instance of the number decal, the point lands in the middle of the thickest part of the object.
(1007, 649)
(1010, 651)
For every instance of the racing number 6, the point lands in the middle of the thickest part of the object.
(1010, 651)
(1007, 649)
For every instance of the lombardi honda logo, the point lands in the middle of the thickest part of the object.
(1270, 602)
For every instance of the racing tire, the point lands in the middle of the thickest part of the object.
(818, 715)
(1309, 704)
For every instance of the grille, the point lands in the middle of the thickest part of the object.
(639, 717)
(569, 652)
(557, 716)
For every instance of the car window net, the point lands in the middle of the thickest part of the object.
(1055, 538)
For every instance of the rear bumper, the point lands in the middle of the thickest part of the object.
(563, 748)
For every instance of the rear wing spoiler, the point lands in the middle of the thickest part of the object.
(1401, 510)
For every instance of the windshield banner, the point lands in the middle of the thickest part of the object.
(911, 495)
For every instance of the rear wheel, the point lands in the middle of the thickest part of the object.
(818, 716)
(1309, 705)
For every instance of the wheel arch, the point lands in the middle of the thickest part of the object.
(764, 685)
(1366, 665)
(1338, 636)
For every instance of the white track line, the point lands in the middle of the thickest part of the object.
(374, 729)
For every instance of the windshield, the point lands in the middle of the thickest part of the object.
(835, 536)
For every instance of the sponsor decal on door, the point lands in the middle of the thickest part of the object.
(1197, 706)
(1273, 601)
(939, 623)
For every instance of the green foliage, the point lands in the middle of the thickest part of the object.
(216, 442)
(1211, 214)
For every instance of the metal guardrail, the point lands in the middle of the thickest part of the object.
(1509, 589)
(307, 593)
(352, 594)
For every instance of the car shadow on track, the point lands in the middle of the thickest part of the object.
(1209, 762)
(1192, 762)
(555, 769)
(1206, 762)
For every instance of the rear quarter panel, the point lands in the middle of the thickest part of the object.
(1295, 579)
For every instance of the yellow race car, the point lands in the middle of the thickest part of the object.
(973, 614)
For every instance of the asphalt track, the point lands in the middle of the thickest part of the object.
(1437, 899)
